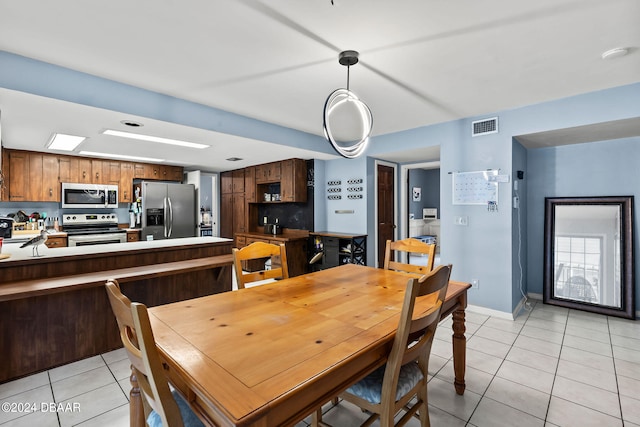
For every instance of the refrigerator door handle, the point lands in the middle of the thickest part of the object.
(166, 218)
(171, 217)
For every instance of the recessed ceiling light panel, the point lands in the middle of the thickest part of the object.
(151, 138)
(64, 142)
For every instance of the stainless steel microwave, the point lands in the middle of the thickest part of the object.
(89, 196)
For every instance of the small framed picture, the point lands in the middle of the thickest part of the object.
(417, 194)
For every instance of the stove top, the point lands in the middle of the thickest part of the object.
(89, 219)
(84, 224)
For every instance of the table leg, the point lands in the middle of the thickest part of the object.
(459, 349)
(136, 408)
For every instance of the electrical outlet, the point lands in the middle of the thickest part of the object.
(475, 284)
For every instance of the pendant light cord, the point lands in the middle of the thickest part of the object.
(348, 68)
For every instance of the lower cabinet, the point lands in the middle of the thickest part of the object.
(295, 246)
(133, 235)
(337, 249)
(56, 242)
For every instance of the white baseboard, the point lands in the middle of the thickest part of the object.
(489, 312)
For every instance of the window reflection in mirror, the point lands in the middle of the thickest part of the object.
(586, 262)
(589, 254)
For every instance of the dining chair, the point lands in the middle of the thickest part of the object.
(409, 246)
(391, 388)
(260, 250)
(169, 409)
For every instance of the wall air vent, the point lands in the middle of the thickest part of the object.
(484, 127)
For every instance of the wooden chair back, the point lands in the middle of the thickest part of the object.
(139, 343)
(260, 250)
(414, 337)
(409, 245)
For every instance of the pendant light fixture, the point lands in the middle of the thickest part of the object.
(347, 120)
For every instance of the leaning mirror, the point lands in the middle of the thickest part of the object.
(588, 258)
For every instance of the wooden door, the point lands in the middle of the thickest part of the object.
(386, 198)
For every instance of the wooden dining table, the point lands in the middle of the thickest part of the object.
(270, 355)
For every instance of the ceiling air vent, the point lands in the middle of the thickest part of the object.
(484, 127)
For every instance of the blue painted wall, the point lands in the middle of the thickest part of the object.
(605, 168)
(429, 182)
(40, 78)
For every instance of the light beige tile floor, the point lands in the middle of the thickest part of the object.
(549, 367)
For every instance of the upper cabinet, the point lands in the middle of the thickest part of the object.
(125, 186)
(250, 184)
(268, 172)
(293, 180)
(36, 177)
(288, 178)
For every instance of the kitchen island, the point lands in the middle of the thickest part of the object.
(54, 309)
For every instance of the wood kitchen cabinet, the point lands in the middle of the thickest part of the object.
(36, 177)
(133, 235)
(33, 177)
(84, 171)
(18, 176)
(233, 206)
(237, 177)
(56, 241)
(226, 182)
(250, 184)
(125, 186)
(68, 168)
(233, 218)
(268, 172)
(49, 182)
(110, 172)
(293, 180)
(295, 242)
(139, 170)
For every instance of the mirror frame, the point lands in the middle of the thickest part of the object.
(627, 281)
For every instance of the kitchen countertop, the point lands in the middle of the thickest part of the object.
(287, 235)
(21, 254)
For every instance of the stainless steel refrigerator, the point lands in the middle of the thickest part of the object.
(168, 210)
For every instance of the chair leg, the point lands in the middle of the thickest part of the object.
(423, 409)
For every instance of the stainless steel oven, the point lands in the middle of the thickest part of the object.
(93, 229)
(97, 239)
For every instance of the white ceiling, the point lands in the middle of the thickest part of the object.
(421, 62)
